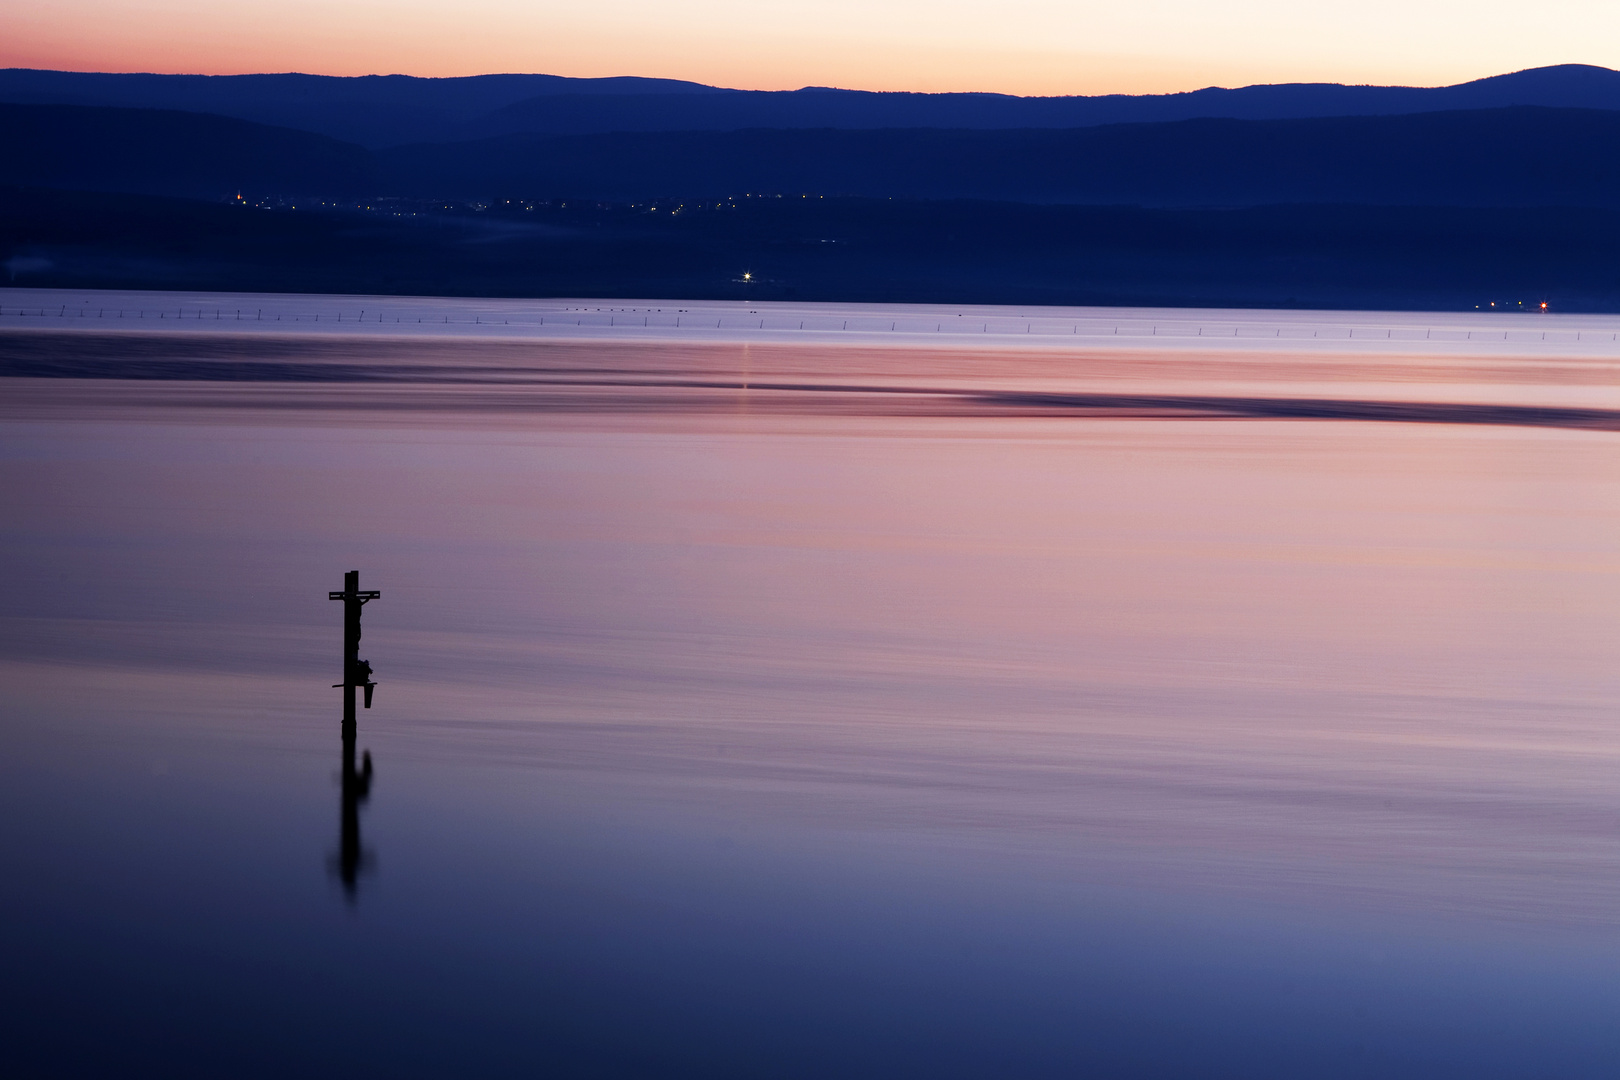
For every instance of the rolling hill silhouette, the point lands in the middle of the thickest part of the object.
(388, 110)
(1566, 86)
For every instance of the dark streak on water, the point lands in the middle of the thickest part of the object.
(126, 357)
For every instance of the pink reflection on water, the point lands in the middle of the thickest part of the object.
(1353, 662)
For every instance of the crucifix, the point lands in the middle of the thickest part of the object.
(356, 782)
(356, 672)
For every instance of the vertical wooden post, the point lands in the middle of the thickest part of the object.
(351, 647)
(356, 673)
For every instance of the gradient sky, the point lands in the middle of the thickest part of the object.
(1012, 46)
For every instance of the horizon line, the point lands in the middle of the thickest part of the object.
(801, 89)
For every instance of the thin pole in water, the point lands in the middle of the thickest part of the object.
(356, 672)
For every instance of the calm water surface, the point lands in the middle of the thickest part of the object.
(825, 729)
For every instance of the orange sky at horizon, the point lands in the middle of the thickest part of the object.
(1020, 46)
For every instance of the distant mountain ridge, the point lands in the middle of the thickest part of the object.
(391, 110)
(1567, 86)
(373, 110)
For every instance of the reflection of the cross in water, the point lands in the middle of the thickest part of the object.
(352, 856)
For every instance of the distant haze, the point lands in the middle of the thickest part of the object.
(1013, 46)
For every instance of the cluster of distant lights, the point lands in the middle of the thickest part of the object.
(396, 207)
(729, 203)
(403, 207)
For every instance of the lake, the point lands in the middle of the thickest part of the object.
(804, 691)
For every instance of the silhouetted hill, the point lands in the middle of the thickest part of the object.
(1566, 86)
(158, 152)
(395, 109)
(373, 110)
(1497, 157)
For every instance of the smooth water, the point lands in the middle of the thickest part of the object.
(761, 705)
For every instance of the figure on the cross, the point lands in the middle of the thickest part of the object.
(356, 672)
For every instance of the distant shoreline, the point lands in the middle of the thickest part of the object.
(970, 327)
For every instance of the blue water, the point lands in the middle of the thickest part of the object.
(768, 733)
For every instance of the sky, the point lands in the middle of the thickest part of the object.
(1007, 46)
